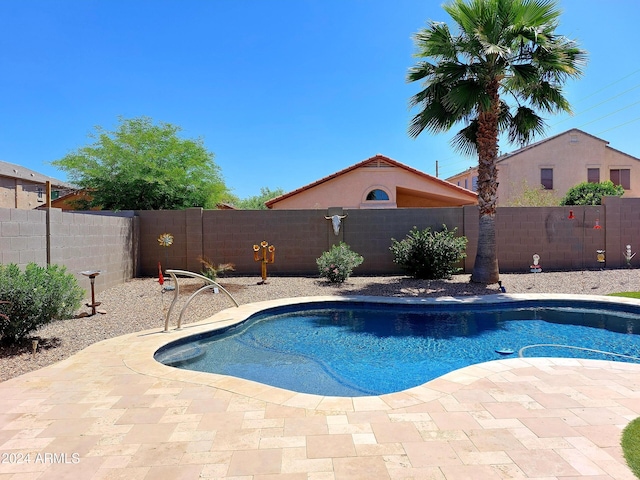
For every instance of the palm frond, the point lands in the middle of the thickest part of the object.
(524, 126)
(434, 117)
(548, 97)
(466, 96)
(523, 75)
(435, 41)
(420, 71)
(465, 141)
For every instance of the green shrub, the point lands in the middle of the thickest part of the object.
(35, 297)
(338, 263)
(586, 193)
(429, 255)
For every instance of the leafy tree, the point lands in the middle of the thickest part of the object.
(502, 50)
(533, 197)
(144, 166)
(586, 193)
(257, 202)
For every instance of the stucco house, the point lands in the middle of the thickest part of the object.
(557, 164)
(26, 189)
(377, 182)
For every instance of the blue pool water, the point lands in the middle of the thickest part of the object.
(353, 349)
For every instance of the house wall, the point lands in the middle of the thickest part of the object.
(464, 178)
(569, 155)
(79, 241)
(17, 193)
(350, 190)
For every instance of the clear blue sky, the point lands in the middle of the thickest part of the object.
(284, 92)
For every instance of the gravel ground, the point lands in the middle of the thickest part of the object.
(140, 304)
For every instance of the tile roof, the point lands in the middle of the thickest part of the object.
(375, 158)
(17, 171)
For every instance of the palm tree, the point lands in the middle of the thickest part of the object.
(504, 63)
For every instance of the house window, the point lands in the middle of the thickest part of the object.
(377, 194)
(621, 176)
(474, 183)
(40, 192)
(546, 178)
(593, 175)
(466, 183)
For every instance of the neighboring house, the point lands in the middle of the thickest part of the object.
(68, 201)
(25, 189)
(377, 182)
(557, 164)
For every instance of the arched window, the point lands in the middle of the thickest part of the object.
(377, 194)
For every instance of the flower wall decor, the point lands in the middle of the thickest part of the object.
(165, 239)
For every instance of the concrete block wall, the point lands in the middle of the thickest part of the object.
(79, 241)
(23, 236)
(562, 243)
(154, 223)
(83, 241)
(369, 232)
(300, 236)
(228, 236)
(125, 244)
(622, 229)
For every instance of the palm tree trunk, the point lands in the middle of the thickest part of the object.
(485, 268)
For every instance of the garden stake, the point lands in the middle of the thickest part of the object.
(268, 256)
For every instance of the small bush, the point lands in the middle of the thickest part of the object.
(536, 196)
(586, 193)
(337, 264)
(428, 255)
(211, 271)
(34, 298)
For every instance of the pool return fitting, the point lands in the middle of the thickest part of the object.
(211, 285)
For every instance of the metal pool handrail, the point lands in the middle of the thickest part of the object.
(212, 284)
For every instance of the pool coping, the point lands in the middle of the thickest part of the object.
(141, 360)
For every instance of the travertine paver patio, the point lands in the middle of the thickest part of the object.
(112, 412)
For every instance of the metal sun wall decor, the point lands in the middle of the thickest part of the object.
(165, 239)
(268, 256)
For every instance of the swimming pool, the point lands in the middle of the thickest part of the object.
(370, 346)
